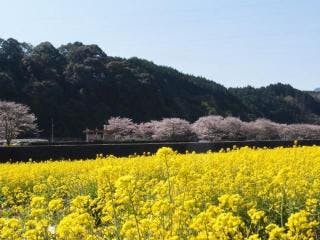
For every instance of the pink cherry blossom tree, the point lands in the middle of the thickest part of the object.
(263, 129)
(233, 128)
(215, 128)
(120, 129)
(145, 131)
(15, 119)
(300, 131)
(173, 129)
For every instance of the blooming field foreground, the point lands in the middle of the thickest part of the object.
(239, 194)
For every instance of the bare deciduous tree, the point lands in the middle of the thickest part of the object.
(15, 119)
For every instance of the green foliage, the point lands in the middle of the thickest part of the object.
(280, 103)
(79, 86)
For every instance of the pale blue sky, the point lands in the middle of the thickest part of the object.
(233, 42)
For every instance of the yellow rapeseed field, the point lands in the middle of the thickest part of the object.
(236, 194)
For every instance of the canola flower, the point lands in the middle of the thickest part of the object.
(235, 194)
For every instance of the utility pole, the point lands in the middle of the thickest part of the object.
(52, 127)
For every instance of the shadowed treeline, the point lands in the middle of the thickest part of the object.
(79, 86)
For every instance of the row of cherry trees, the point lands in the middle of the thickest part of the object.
(208, 128)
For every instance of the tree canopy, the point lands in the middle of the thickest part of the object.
(15, 119)
(80, 86)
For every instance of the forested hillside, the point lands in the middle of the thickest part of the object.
(280, 102)
(80, 86)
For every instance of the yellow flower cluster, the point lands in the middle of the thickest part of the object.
(235, 194)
